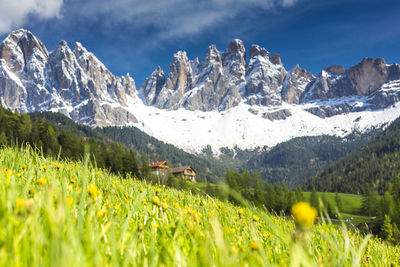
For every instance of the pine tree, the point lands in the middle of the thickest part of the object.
(387, 229)
(3, 139)
(314, 201)
(299, 194)
(145, 170)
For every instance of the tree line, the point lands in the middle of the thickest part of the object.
(386, 210)
(20, 129)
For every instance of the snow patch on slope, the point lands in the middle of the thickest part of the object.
(194, 130)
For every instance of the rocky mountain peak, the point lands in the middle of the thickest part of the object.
(75, 83)
(368, 75)
(21, 48)
(264, 75)
(212, 57)
(235, 46)
(295, 84)
(275, 59)
(256, 50)
(335, 69)
(152, 86)
(234, 60)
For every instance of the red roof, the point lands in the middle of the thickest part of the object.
(158, 164)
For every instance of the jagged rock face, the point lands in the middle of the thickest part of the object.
(277, 115)
(213, 84)
(264, 75)
(336, 69)
(179, 81)
(210, 85)
(394, 72)
(75, 82)
(362, 79)
(368, 76)
(295, 84)
(24, 61)
(153, 85)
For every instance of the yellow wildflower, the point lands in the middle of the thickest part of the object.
(102, 213)
(8, 175)
(254, 246)
(176, 205)
(44, 168)
(240, 212)
(155, 225)
(72, 181)
(20, 204)
(93, 191)
(256, 217)
(156, 201)
(234, 249)
(58, 166)
(41, 181)
(70, 200)
(304, 215)
(164, 205)
(23, 167)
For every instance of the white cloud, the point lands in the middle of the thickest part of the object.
(172, 18)
(13, 13)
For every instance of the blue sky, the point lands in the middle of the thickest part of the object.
(136, 36)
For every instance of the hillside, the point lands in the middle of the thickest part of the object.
(140, 142)
(72, 214)
(291, 162)
(376, 164)
(298, 159)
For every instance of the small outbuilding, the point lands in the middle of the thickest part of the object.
(159, 167)
(185, 172)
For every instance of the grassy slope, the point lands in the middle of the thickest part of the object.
(351, 203)
(103, 220)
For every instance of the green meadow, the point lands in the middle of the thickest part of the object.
(60, 213)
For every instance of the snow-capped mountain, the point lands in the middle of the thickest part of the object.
(224, 100)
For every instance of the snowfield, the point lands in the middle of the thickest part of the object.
(194, 130)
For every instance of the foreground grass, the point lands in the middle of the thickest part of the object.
(71, 214)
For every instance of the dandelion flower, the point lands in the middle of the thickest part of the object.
(93, 191)
(102, 213)
(8, 175)
(41, 181)
(240, 212)
(20, 204)
(156, 201)
(254, 246)
(70, 200)
(304, 215)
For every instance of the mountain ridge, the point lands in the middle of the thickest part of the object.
(225, 99)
